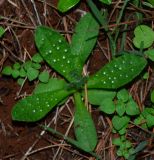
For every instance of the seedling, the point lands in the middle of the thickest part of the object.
(123, 108)
(68, 61)
(125, 148)
(121, 104)
(29, 70)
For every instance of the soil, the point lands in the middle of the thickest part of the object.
(28, 141)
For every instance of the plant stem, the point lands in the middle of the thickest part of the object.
(70, 140)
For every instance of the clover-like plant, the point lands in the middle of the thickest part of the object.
(144, 36)
(125, 148)
(29, 70)
(68, 61)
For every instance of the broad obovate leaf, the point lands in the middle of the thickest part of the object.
(53, 84)
(65, 5)
(35, 107)
(118, 72)
(84, 126)
(85, 37)
(56, 52)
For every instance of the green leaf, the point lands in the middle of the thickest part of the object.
(120, 122)
(126, 154)
(152, 96)
(36, 65)
(140, 119)
(117, 141)
(16, 66)
(106, 1)
(15, 73)
(149, 110)
(95, 96)
(32, 74)
(20, 81)
(22, 72)
(150, 54)
(145, 112)
(123, 95)
(85, 37)
(151, 2)
(128, 144)
(35, 107)
(122, 147)
(123, 130)
(44, 76)
(119, 152)
(123, 138)
(37, 58)
(84, 126)
(2, 31)
(56, 52)
(150, 120)
(140, 147)
(27, 65)
(143, 34)
(114, 131)
(120, 108)
(117, 72)
(7, 70)
(107, 106)
(65, 5)
(70, 140)
(132, 108)
(148, 4)
(52, 85)
(146, 75)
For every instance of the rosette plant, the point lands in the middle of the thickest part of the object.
(68, 60)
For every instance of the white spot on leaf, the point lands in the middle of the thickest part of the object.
(65, 50)
(64, 57)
